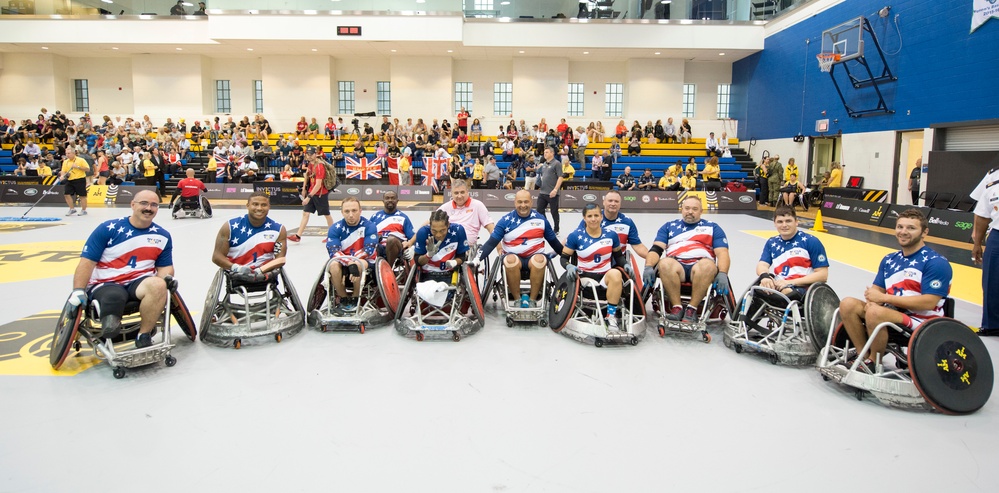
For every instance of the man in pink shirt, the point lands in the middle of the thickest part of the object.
(467, 212)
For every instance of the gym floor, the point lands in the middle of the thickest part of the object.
(521, 409)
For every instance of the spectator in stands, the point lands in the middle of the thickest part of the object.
(649, 132)
(597, 166)
(723, 145)
(478, 174)
(381, 149)
(359, 150)
(161, 171)
(313, 132)
(669, 182)
(508, 146)
(581, 145)
(248, 170)
(636, 128)
(711, 144)
(148, 169)
(530, 172)
(301, 128)
(543, 126)
(614, 152)
(103, 169)
(337, 154)
(625, 181)
(476, 133)
(685, 132)
(173, 164)
(201, 9)
(621, 130)
(635, 145)
(31, 167)
(405, 167)
(286, 173)
(691, 166)
(599, 133)
(659, 131)
(712, 174)
(368, 135)
(32, 149)
(836, 176)
(486, 148)
(118, 173)
(330, 129)
(21, 169)
(676, 170)
(493, 173)
(790, 169)
(689, 181)
(178, 8)
(568, 171)
(463, 119)
(647, 181)
(44, 169)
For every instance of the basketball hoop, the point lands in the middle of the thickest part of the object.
(826, 60)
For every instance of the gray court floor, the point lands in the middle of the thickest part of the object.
(503, 410)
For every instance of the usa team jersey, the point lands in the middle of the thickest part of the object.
(627, 232)
(923, 272)
(357, 241)
(688, 243)
(472, 216)
(794, 258)
(396, 224)
(524, 236)
(593, 254)
(125, 253)
(454, 245)
(250, 246)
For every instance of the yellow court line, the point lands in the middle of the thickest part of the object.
(966, 284)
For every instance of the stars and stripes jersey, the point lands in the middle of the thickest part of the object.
(125, 253)
(593, 254)
(627, 232)
(454, 246)
(249, 245)
(524, 236)
(357, 241)
(396, 224)
(794, 258)
(688, 243)
(923, 272)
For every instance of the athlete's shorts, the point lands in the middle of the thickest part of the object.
(111, 297)
(596, 277)
(319, 204)
(77, 187)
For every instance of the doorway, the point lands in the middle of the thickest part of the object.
(823, 151)
(908, 151)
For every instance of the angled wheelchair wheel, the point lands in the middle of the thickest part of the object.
(211, 300)
(637, 269)
(180, 313)
(639, 306)
(290, 291)
(67, 328)
(820, 305)
(489, 284)
(318, 294)
(950, 366)
(408, 291)
(387, 287)
(472, 288)
(563, 302)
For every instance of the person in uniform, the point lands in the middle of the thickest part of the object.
(987, 221)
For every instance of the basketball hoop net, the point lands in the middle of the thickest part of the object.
(826, 60)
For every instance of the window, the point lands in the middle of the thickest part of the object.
(384, 89)
(463, 96)
(223, 103)
(614, 99)
(258, 96)
(688, 100)
(502, 98)
(346, 97)
(81, 92)
(724, 95)
(575, 99)
(483, 5)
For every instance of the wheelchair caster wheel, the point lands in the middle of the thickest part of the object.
(455, 336)
(237, 344)
(774, 359)
(419, 336)
(662, 330)
(77, 346)
(706, 337)
(509, 322)
(738, 349)
(634, 341)
(119, 372)
(859, 394)
(598, 342)
(170, 361)
(277, 337)
(825, 378)
(412, 311)
(361, 328)
(543, 322)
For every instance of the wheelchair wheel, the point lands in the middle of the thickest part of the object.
(318, 295)
(636, 298)
(472, 289)
(211, 300)
(206, 207)
(67, 328)
(820, 304)
(563, 302)
(950, 366)
(387, 287)
(489, 284)
(290, 291)
(180, 313)
(408, 291)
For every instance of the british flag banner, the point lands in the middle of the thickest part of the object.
(433, 169)
(393, 171)
(364, 169)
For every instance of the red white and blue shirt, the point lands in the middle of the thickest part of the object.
(453, 246)
(593, 254)
(358, 241)
(524, 236)
(794, 258)
(688, 243)
(396, 224)
(125, 253)
(923, 272)
(627, 232)
(252, 246)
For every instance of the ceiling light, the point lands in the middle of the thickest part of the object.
(114, 47)
(393, 51)
(309, 12)
(421, 1)
(107, 1)
(521, 51)
(45, 47)
(586, 53)
(504, 3)
(249, 49)
(180, 49)
(187, 4)
(450, 51)
(664, 2)
(658, 53)
(314, 49)
(721, 54)
(253, 12)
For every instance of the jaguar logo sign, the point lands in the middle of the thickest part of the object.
(589, 197)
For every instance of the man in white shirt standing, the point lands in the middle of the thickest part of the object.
(581, 147)
(711, 143)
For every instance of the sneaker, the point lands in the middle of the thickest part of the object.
(294, 237)
(325, 240)
(346, 307)
(71, 212)
(143, 340)
(675, 313)
(532, 303)
(83, 213)
(988, 332)
(689, 314)
(612, 324)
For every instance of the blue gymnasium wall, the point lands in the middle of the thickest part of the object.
(944, 73)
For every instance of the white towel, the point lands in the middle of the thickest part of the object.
(433, 292)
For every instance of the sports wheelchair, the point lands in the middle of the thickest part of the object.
(497, 282)
(191, 207)
(941, 365)
(788, 329)
(84, 321)
(577, 310)
(376, 304)
(263, 304)
(453, 308)
(713, 310)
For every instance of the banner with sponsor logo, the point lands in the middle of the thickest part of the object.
(630, 201)
(415, 193)
(375, 192)
(859, 211)
(215, 190)
(281, 192)
(238, 191)
(501, 199)
(28, 194)
(953, 225)
(891, 215)
(127, 193)
(27, 180)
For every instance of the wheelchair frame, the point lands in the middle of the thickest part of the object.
(514, 313)
(237, 323)
(709, 311)
(201, 211)
(447, 319)
(373, 305)
(586, 322)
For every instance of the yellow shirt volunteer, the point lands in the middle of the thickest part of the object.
(667, 181)
(76, 168)
(690, 167)
(835, 178)
(44, 170)
(478, 171)
(711, 172)
(788, 169)
(212, 164)
(676, 171)
(149, 169)
(567, 169)
(404, 164)
(688, 182)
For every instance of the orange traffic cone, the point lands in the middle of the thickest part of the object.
(818, 222)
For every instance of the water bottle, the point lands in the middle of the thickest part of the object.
(524, 303)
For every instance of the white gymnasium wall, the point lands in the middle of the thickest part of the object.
(62, 85)
(27, 84)
(422, 87)
(240, 72)
(482, 74)
(654, 89)
(870, 154)
(168, 85)
(540, 88)
(296, 86)
(707, 76)
(594, 76)
(365, 73)
(110, 84)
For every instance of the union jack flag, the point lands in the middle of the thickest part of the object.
(433, 169)
(364, 169)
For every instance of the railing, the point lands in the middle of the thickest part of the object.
(711, 10)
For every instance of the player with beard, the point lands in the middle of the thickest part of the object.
(395, 230)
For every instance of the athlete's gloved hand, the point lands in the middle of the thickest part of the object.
(171, 283)
(432, 246)
(721, 283)
(474, 263)
(407, 253)
(77, 297)
(628, 270)
(241, 269)
(571, 272)
(450, 264)
(648, 277)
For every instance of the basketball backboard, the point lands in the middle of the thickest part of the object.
(846, 40)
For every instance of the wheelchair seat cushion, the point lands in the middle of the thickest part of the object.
(255, 281)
